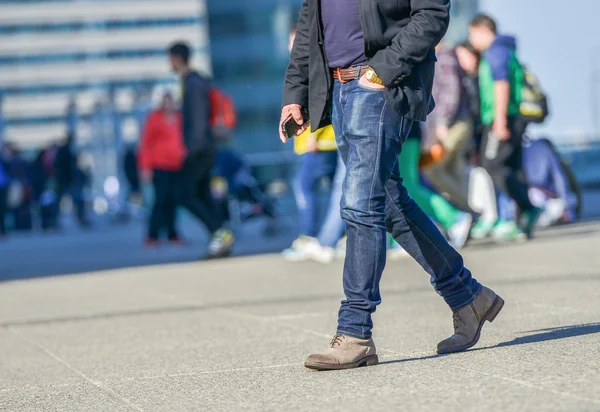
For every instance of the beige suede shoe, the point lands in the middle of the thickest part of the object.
(469, 320)
(344, 352)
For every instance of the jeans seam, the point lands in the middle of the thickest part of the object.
(430, 242)
(375, 175)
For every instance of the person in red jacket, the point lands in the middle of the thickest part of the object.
(160, 158)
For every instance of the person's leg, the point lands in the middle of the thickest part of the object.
(333, 227)
(79, 203)
(432, 204)
(503, 161)
(516, 180)
(160, 182)
(193, 179)
(419, 236)
(214, 214)
(3, 209)
(170, 209)
(483, 200)
(309, 172)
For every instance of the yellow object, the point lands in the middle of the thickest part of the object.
(373, 78)
(325, 140)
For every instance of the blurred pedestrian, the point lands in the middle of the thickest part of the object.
(4, 183)
(20, 189)
(193, 184)
(67, 183)
(501, 81)
(43, 173)
(456, 223)
(450, 128)
(549, 185)
(160, 159)
(367, 67)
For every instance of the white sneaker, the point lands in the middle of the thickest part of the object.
(221, 243)
(317, 252)
(459, 232)
(297, 252)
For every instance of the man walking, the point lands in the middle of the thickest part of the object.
(500, 83)
(194, 181)
(367, 67)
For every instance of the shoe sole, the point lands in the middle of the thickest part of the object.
(368, 361)
(489, 316)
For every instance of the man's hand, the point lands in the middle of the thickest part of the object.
(500, 127)
(294, 110)
(369, 85)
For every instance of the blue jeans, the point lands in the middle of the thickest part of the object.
(333, 227)
(311, 168)
(369, 136)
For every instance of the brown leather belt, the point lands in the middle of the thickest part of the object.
(347, 74)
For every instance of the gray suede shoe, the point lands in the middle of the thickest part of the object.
(469, 320)
(344, 352)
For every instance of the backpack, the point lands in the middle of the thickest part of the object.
(534, 105)
(223, 115)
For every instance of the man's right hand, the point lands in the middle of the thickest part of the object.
(294, 110)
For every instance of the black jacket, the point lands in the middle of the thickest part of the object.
(400, 39)
(195, 112)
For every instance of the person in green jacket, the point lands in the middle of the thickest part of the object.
(501, 82)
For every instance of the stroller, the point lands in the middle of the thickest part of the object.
(238, 194)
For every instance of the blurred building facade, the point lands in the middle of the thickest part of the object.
(249, 54)
(53, 53)
(461, 14)
(89, 52)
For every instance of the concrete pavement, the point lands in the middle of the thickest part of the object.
(232, 334)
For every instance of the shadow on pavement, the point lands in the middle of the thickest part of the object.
(559, 332)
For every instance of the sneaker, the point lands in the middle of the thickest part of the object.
(528, 220)
(178, 241)
(340, 248)
(220, 244)
(296, 252)
(508, 231)
(151, 243)
(482, 229)
(460, 231)
(319, 253)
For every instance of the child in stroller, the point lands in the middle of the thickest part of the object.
(238, 193)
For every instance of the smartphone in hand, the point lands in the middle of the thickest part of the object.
(289, 127)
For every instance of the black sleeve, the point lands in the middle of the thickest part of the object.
(429, 21)
(199, 109)
(295, 89)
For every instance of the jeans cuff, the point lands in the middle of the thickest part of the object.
(454, 308)
(353, 335)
